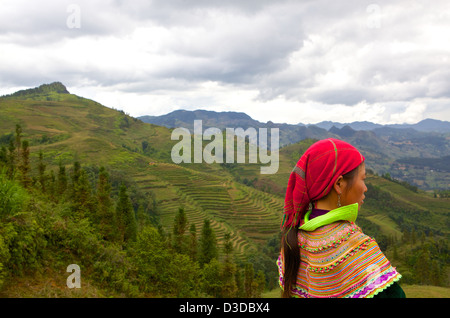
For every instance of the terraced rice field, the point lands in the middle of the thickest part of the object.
(251, 216)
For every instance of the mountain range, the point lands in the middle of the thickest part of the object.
(426, 125)
(395, 149)
(220, 120)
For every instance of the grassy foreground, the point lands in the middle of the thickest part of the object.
(411, 291)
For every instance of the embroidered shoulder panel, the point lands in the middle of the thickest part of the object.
(339, 260)
(327, 236)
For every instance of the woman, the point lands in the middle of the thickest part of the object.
(324, 253)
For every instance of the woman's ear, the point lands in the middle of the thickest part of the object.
(339, 185)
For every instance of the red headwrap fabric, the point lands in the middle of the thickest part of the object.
(314, 175)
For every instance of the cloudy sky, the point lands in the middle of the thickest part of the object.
(284, 61)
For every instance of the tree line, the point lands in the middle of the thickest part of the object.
(97, 219)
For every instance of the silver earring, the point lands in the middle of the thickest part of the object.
(339, 201)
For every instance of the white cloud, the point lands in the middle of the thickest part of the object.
(412, 113)
(285, 61)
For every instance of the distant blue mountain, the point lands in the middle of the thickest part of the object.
(185, 118)
(426, 125)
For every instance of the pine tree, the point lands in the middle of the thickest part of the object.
(193, 245)
(229, 287)
(75, 176)
(179, 228)
(18, 141)
(208, 244)
(259, 283)
(105, 213)
(11, 160)
(83, 200)
(41, 170)
(126, 220)
(142, 217)
(249, 274)
(24, 165)
(239, 279)
(227, 246)
(62, 179)
(52, 187)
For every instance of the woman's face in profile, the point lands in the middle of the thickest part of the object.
(356, 192)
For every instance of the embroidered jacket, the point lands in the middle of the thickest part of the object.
(338, 259)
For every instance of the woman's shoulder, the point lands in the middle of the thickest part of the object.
(331, 235)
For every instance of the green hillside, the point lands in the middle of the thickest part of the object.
(244, 207)
(68, 127)
(65, 126)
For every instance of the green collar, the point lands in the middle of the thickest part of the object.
(345, 213)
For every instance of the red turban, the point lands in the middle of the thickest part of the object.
(314, 175)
